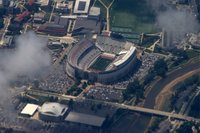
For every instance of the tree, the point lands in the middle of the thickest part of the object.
(2, 11)
(1, 23)
(134, 88)
(84, 85)
(70, 104)
(186, 127)
(195, 107)
(149, 77)
(160, 67)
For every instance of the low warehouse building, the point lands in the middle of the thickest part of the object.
(91, 120)
(51, 111)
(29, 110)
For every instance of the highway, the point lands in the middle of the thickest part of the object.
(117, 105)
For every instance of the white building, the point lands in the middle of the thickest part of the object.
(51, 111)
(29, 110)
(94, 13)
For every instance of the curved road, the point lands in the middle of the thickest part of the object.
(150, 101)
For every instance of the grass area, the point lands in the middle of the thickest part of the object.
(134, 14)
(192, 53)
(101, 64)
(103, 9)
(107, 2)
(166, 105)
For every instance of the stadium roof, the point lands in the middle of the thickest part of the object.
(125, 57)
(85, 119)
(29, 109)
(81, 6)
(52, 108)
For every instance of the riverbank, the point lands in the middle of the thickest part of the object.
(167, 90)
(150, 100)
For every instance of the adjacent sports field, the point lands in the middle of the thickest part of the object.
(135, 14)
(100, 64)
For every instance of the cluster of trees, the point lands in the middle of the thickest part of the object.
(195, 108)
(191, 83)
(198, 8)
(136, 88)
(187, 127)
(2, 12)
(160, 69)
(74, 90)
(133, 89)
(180, 55)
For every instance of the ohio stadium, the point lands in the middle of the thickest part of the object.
(104, 61)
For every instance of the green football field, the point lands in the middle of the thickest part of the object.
(134, 14)
(100, 64)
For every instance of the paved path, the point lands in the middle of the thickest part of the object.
(117, 105)
(107, 14)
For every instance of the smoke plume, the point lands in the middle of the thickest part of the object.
(176, 23)
(28, 59)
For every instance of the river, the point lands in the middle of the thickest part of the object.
(143, 120)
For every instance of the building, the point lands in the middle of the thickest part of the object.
(44, 4)
(105, 61)
(94, 13)
(61, 21)
(53, 29)
(39, 18)
(87, 119)
(81, 6)
(8, 41)
(29, 110)
(24, 16)
(85, 26)
(62, 7)
(4, 3)
(51, 111)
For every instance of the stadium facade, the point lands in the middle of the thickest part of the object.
(105, 61)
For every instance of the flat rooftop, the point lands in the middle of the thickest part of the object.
(43, 2)
(88, 24)
(81, 6)
(94, 11)
(29, 109)
(85, 119)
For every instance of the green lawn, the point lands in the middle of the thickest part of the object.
(193, 53)
(103, 9)
(101, 64)
(134, 14)
(107, 2)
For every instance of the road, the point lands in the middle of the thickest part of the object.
(51, 15)
(117, 105)
(7, 23)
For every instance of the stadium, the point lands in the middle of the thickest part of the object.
(104, 61)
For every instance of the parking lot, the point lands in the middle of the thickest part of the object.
(57, 80)
(104, 93)
(148, 60)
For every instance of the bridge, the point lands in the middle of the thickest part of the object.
(117, 105)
